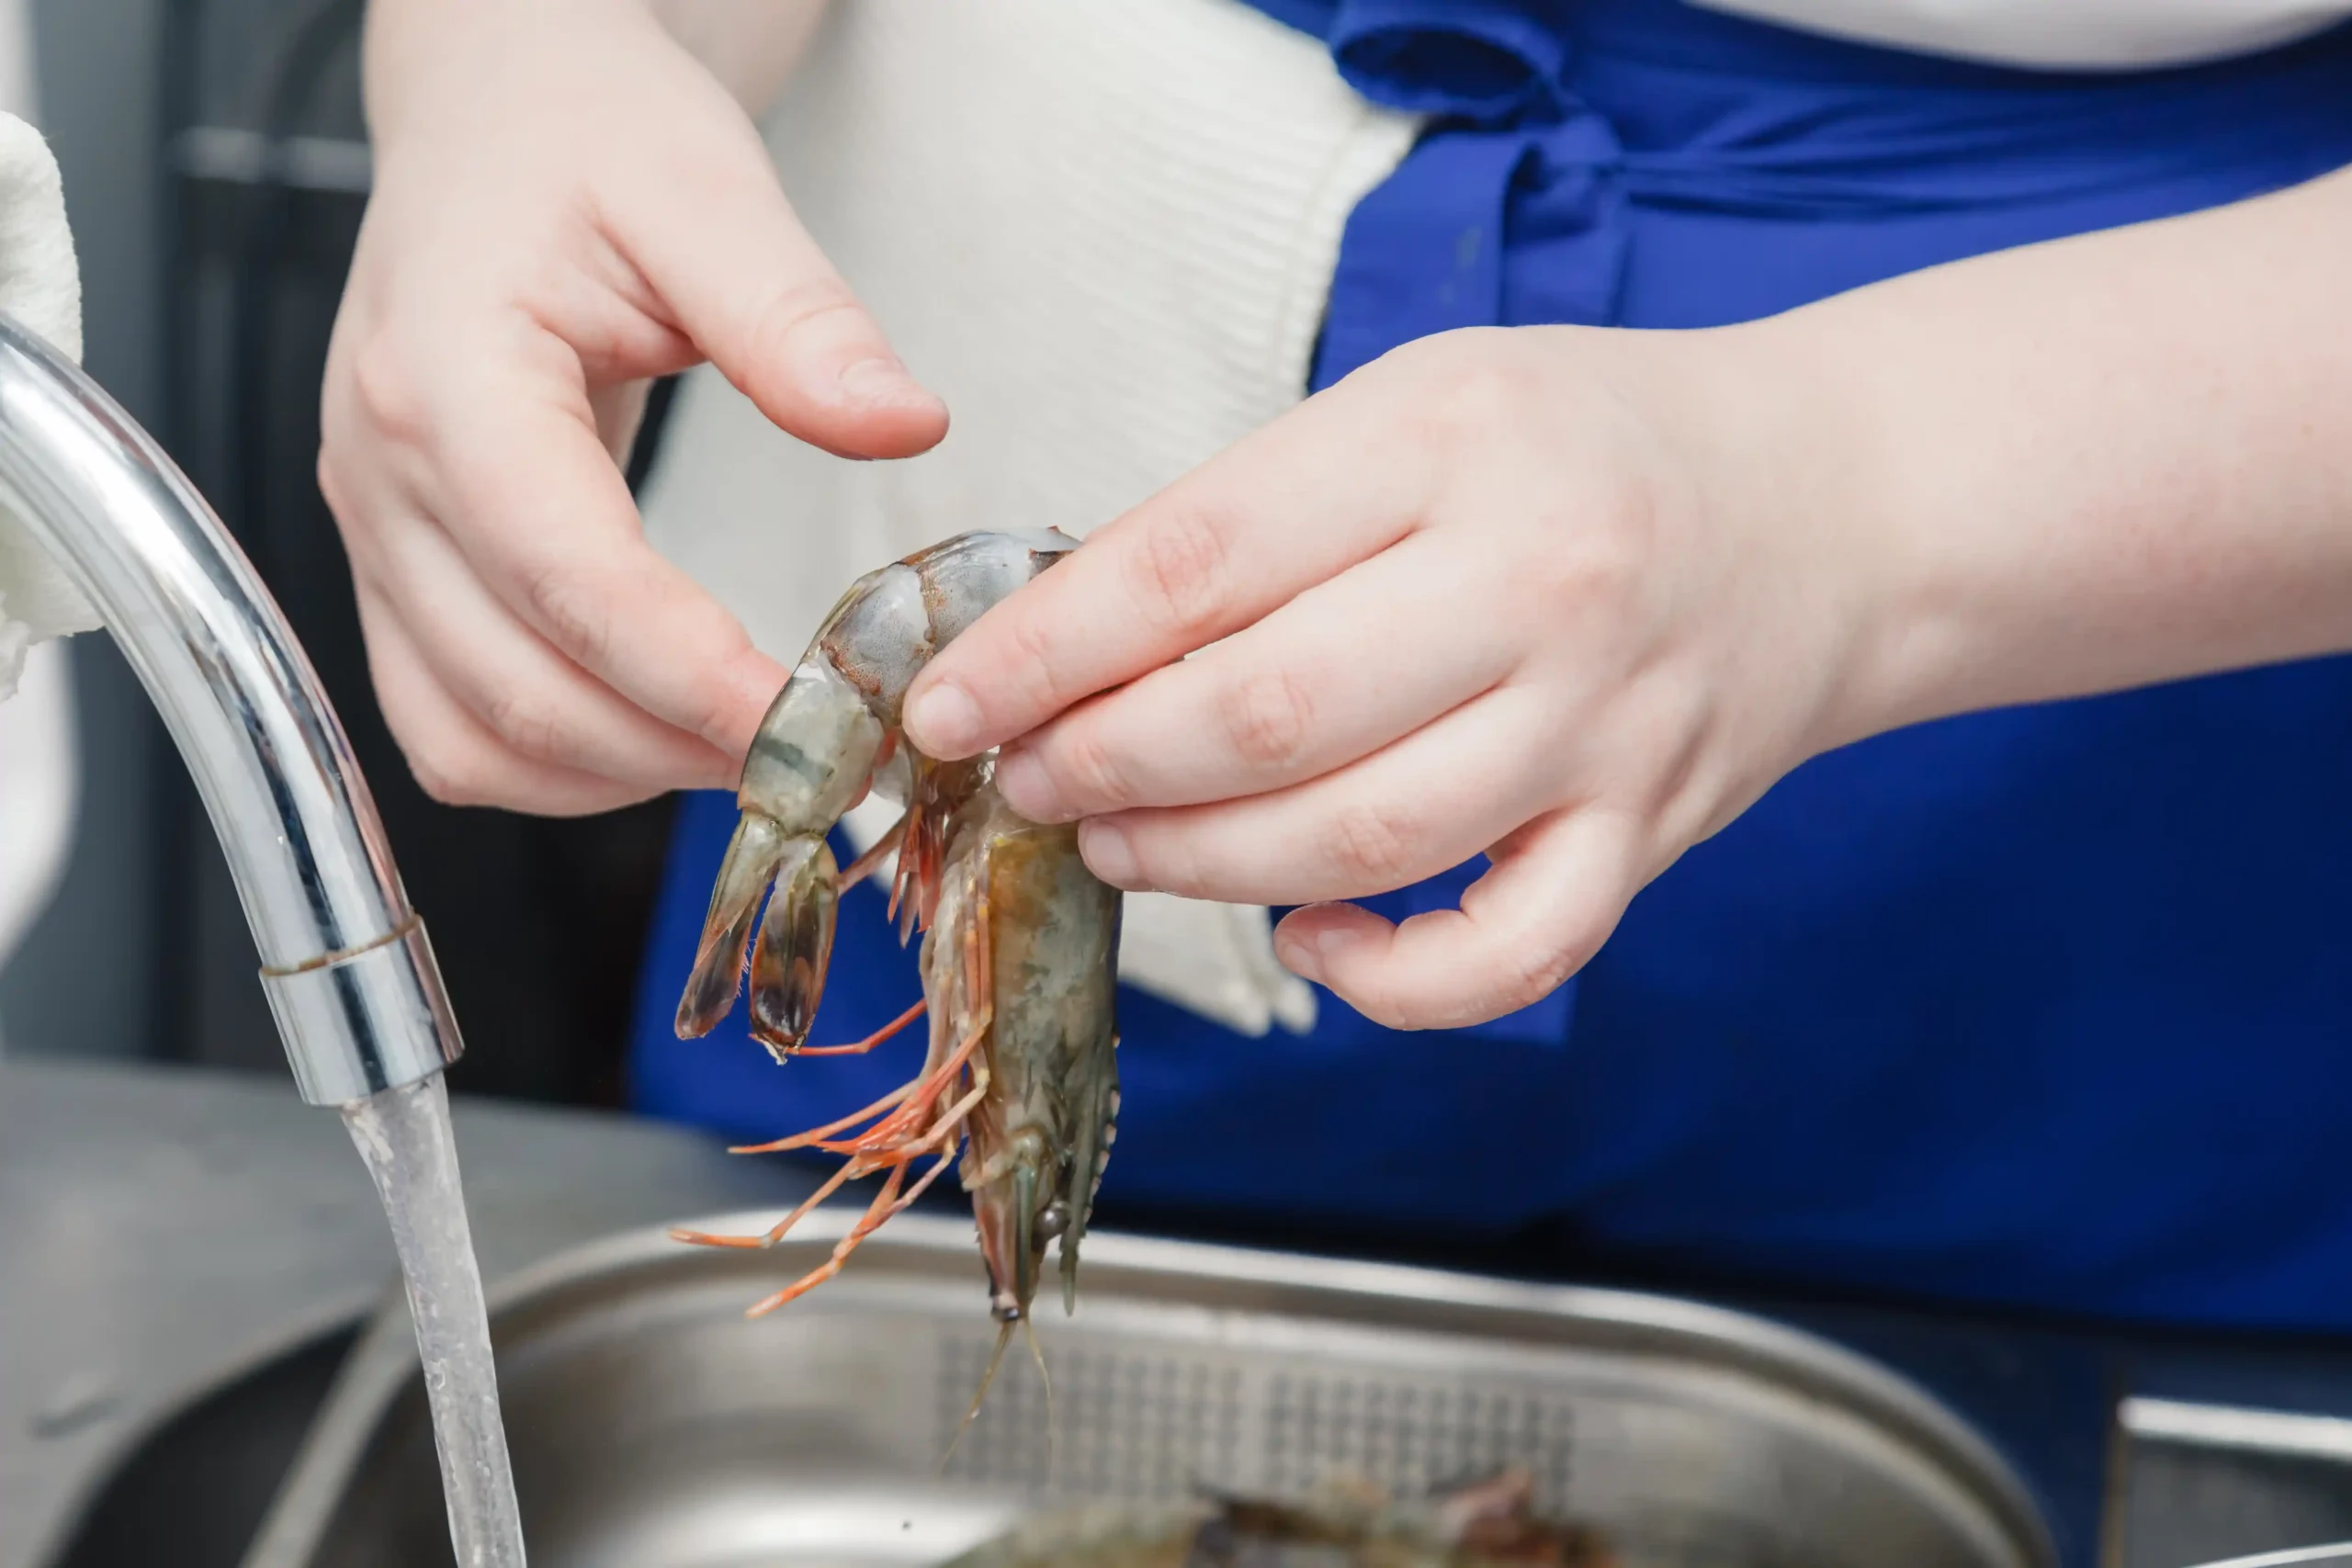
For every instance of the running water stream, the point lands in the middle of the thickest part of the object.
(349, 975)
(404, 1136)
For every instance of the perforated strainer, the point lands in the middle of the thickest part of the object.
(652, 1426)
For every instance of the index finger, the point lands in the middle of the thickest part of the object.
(711, 230)
(1286, 508)
(533, 498)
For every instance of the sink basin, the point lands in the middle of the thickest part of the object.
(662, 1473)
(194, 1490)
(653, 1427)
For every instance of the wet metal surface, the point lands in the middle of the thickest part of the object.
(184, 1252)
(652, 1426)
(161, 1230)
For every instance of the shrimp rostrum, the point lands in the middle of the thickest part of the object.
(1019, 1084)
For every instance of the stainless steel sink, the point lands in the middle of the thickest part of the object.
(653, 1427)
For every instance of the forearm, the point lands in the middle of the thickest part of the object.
(2085, 465)
(749, 46)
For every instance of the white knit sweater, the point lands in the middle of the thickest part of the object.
(2088, 35)
(1104, 233)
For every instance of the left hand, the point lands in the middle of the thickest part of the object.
(1558, 596)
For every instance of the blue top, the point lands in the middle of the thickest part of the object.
(2049, 1007)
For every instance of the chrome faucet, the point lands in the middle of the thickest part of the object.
(350, 976)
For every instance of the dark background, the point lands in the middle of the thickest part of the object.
(215, 169)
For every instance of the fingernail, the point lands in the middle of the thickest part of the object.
(883, 383)
(1298, 957)
(942, 722)
(1023, 783)
(1109, 855)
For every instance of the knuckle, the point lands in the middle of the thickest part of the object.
(525, 722)
(1269, 719)
(358, 515)
(327, 474)
(570, 610)
(1169, 863)
(451, 780)
(1036, 660)
(1182, 572)
(1607, 565)
(386, 388)
(1371, 845)
(1092, 769)
(1514, 978)
(1477, 394)
(791, 310)
(1526, 975)
(712, 709)
(1386, 1011)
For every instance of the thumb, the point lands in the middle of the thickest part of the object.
(1554, 891)
(711, 230)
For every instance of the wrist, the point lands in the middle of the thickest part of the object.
(752, 50)
(420, 58)
(2088, 466)
(1841, 455)
(1787, 458)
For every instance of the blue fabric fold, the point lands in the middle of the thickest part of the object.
(1487, 62)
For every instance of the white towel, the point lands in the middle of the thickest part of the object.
(1104, 235)
(39, 287)
(38, 785)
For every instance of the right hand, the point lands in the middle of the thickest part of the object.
(566, 205)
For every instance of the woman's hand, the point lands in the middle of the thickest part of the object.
(1576, 598)
(566, 204)
(1505, 591)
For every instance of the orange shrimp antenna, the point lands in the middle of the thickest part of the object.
(863, 866)
(859, 1047)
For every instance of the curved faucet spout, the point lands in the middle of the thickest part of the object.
(350, 976)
